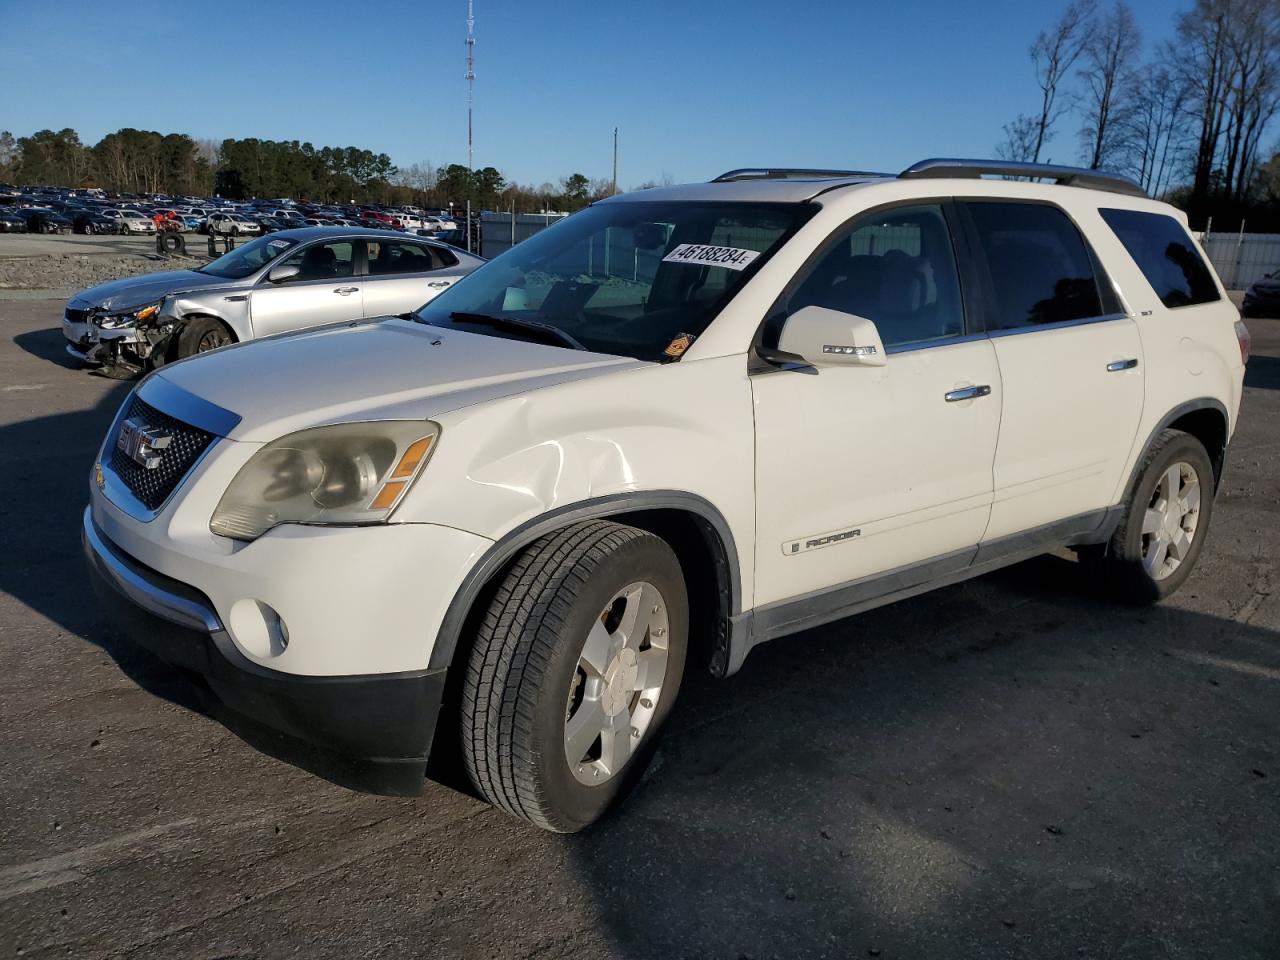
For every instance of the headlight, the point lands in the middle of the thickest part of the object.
(350, 473)
(115, 321)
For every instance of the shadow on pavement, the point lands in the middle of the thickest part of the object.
(1263, 373)
(929, 781)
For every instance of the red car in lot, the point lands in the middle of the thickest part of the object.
(385, 219)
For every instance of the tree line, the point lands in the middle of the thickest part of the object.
(1187, 119)
(145, 161)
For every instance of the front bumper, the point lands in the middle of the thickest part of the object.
(368, 732)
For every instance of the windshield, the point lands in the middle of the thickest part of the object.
(250, 258)
(639, 279)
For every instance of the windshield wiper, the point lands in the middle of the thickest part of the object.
(524, 326)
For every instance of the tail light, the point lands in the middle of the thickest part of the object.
(1246, 341)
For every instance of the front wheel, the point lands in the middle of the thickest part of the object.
(1164, 524)
(202, 335)
(575, 667)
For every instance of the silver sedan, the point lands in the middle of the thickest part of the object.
(281, 282)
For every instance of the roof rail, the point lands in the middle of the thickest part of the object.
(1066, 176)
(790, 173)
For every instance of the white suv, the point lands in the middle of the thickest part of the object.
(675, 425)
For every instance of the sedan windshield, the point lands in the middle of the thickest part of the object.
(250, 258)
(634, 278)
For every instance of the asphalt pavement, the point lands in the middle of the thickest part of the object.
(1011, 767)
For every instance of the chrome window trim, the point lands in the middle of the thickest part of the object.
(1015, 331)
(1060, 325)
(930, 344)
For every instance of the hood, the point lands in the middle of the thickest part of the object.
(147, 288)
(384, 369)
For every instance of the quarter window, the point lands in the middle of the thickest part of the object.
(897, 269)
(1165, 254)
(1041, 270)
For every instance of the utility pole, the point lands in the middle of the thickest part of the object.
(471, 96)
(615, 161)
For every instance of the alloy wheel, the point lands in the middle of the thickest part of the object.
(617, 684)
(1169, 525)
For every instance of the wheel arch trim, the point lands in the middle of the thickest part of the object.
(600, 508)
(1218, 458)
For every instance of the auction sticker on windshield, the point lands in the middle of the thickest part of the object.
(730, 257)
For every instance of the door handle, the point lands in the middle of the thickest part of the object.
(437, 284)
(344, 291)
(966, 393)
(1117, 365)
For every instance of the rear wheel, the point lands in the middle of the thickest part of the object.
(201, 335)
(576, 664)
(1164, 524)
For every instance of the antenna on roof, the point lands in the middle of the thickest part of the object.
(470, 76)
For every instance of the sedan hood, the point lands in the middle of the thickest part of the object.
(138, 291)
(385, 369)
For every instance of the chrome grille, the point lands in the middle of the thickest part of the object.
(152, 487)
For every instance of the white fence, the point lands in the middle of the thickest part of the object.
(1242, 259)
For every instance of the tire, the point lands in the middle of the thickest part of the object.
(202, 334)
(529, 679)
(124, 229)
(1144, 561)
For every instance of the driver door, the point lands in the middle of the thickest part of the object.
(863, 471)
(325, 290)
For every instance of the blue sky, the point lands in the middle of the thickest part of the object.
(696, 88)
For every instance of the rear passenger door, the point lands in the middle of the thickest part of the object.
(1070, 365)
(403, 275)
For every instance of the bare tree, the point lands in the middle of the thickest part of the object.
(1203, 62)
(1110, 52)
(1156, 134)
(1054, 53)
(1020, 137)
(1253, 45)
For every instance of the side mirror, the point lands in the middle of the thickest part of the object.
(825, 337)
(283, 272)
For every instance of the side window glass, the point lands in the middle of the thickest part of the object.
(390, 257)
(896, 268)
(1165, 254)
(323, 261)
(1041, 270)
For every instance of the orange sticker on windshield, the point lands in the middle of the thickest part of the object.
(679, 345)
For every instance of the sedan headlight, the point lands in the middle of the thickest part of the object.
(129, 318)
(349, 473)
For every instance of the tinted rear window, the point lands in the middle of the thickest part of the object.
(1165, 254)
(1041, 270)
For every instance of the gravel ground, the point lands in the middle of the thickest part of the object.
(1005, 768)
(62, 265)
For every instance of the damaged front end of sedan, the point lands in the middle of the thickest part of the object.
(126, 344)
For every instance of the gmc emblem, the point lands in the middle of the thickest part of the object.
(143, 444)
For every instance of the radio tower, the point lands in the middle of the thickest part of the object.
(471, 76)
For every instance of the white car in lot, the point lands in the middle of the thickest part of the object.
(234, 224)
(677, 424)
(131, 221)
